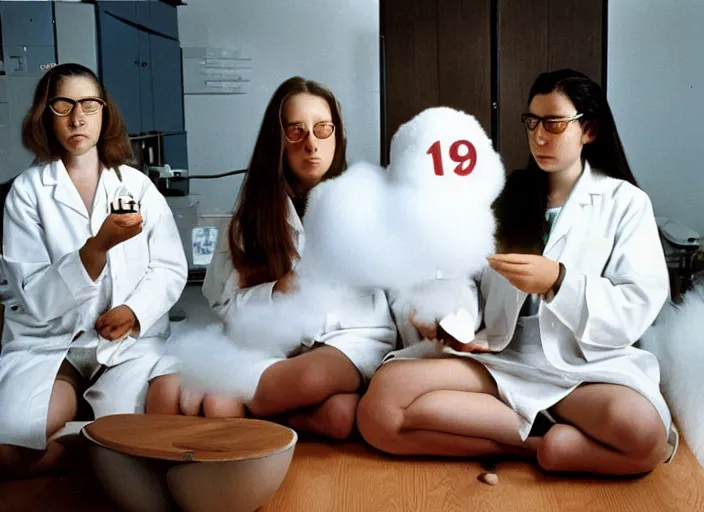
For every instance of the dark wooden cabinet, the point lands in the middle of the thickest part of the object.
(482, 56)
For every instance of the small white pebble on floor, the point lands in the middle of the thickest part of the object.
(489, 478)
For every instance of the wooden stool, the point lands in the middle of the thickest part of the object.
(156, 462)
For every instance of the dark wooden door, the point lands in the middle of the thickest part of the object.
(410, 63)
(538, 36)
(523, 54)
(482, 56)
(434, 52)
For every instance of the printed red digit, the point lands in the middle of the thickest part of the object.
(436, 152)
(466, 160)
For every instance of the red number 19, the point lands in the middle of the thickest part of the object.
(466, 159)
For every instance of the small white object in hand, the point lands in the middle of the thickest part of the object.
(460, 325)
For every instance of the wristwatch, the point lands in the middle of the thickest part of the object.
(550, 294)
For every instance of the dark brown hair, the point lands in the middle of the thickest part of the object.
(261, 240)
(520, 209)
(38, 134)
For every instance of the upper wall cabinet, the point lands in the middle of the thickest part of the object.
(152, 15)
(121, 66)
(140, 67)
(32, 23)
(27, 37)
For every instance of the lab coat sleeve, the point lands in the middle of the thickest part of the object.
(166, 276)
(46, 290)
(221, 285)
(613, 310)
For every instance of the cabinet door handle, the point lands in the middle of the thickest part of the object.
(144, 64)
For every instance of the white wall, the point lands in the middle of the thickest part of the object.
(655, 85)
(335, 42)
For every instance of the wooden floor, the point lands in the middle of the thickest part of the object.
(350, 477)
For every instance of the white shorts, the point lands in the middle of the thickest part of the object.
(27, 380)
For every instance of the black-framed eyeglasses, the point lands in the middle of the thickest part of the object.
(553, 125)
(63, 107)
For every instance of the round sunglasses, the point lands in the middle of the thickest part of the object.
(296, 132)
(63, 107)
(553, 125)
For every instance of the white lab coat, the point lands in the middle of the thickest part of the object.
(615, 284)
(363, 329)
(52, 298)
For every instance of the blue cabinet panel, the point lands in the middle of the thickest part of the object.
(125, 9)
(146, 95)
(176, 150)
(167, 84)
(163, 18)
(28, 60)
(120, 67)
(27, 23)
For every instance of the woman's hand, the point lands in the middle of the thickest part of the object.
(530, 273)
(435, 332)
(116, 323)
(117, 228)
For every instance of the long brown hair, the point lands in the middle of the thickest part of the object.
(37, 128)
(520, 209)
(260, 238)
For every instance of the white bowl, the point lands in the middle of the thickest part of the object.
(142, 484)
(136, 484)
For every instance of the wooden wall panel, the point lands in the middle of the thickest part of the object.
(410, 39)
(464, 56)
(523, 54)
(576, 36)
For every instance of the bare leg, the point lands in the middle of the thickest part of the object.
(610, 429)
(19, 462)
(319, 386)
(333, 418)
(304, 380)
(166, 396)
(215, 406)
(439, 407)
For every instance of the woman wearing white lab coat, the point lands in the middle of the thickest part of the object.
(90, 291)
(562, 307)
(300, 143)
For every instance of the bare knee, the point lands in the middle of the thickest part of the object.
(339, 413)
(222, 407)
(305, 385)
(556, 446)
(164, 394)
(378, 420)
(639, 431)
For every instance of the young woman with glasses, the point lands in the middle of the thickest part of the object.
(90, 289)
(579, 277)
(301, 142)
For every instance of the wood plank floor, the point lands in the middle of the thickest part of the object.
(350, 477)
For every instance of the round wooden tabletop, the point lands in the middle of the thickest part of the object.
(188, 438)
